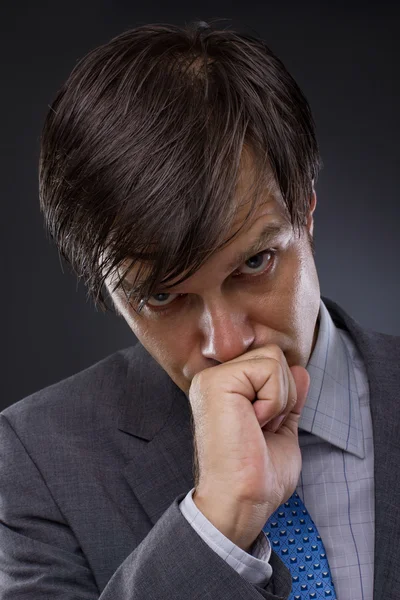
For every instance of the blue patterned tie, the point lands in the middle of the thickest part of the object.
(294, 537)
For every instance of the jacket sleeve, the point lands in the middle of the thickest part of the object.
(40, 557)
(253, 565)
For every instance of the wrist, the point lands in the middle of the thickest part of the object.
(233, 519)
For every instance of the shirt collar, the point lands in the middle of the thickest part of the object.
(332, 409)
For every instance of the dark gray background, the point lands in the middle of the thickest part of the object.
(345, 58)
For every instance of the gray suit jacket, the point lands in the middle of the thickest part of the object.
(92, 470)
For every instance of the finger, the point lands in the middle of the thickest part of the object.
(285, 383)
(291, 400)
(302, 380)
(267, 351)
(272, 396)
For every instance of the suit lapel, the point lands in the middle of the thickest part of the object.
(381, 355)
(155, 410)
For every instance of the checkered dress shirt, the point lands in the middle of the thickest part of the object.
(336, 481)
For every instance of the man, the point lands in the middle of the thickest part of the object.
(177, 176)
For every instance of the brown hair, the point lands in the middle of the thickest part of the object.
(141, 148)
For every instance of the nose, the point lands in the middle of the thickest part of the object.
(227, 333)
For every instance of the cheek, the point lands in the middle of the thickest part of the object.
(280, 297)
(166, 345)
(294, 296)
(305, 301)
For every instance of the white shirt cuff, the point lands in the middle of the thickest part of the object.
(254, 567)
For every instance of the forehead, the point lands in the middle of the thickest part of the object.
(264, 193)
(266, 226)
(262, 196)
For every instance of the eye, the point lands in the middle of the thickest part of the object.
(161, 299)
(257, 264)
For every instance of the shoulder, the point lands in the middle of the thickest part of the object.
(89, 396)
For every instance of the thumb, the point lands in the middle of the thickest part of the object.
(302, 381)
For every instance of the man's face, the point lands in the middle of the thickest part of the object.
(228, 307)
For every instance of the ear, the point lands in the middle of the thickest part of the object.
(313, 204)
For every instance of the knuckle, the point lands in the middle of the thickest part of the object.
(276, 364)
(283, 397)
(275, 352)
(277, 385)
(265, 352)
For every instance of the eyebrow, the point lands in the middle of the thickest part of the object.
(267, 235)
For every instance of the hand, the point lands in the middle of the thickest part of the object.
(246, 413)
